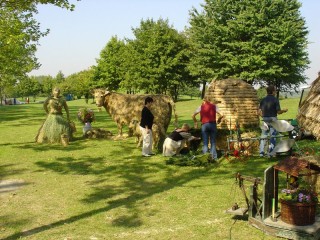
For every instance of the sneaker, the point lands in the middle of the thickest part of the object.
(261, 154)
(151, 154)
(146, 155)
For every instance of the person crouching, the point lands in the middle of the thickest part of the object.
(177, 140)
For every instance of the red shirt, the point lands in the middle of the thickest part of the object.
(208, 112)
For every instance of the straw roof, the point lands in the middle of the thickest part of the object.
(308, 116)
(237, 100)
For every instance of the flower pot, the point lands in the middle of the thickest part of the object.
(299, 214)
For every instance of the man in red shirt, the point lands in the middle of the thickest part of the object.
(208, 116)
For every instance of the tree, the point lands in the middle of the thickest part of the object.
(256, 41)
(109, 72)
(19, 36)
(118, 66)
(29, 87)
(162, 57)
(131, 68)
(28, 5)
(79, 84)
(47, 83)
(60, 77)
(191, 92)
(154, 62)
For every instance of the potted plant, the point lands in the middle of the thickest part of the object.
(298, 204)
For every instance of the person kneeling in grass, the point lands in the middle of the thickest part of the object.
(177, 140)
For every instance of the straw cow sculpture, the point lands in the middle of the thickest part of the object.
(134, 127)
(123, 108)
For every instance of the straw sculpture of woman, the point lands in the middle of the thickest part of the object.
(55, 128)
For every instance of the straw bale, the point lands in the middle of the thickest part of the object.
(237, 100)
(232, 92)
(308, 116)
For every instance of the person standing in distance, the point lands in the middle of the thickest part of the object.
(208, 117)
(146, 127)
(269, 108)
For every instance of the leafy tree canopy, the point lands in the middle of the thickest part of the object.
(27, 5)
(154, 62)
(109, 71)
(29, 87)
(19, 36)
(257, 41)
(162, 53)
(78, 84)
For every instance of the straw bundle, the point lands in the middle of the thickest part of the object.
(308, 116)
(237, 100)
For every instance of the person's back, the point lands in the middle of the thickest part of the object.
(269, 109)
(269, 106)
(176, 140)
(176, 136)
(208, 112)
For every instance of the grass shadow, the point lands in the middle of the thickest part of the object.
(140, 189)
(119, 177)
(8, 170)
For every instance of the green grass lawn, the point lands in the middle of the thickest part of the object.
(104, 189)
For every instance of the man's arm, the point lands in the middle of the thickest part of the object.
(282, 111)
(279, 110)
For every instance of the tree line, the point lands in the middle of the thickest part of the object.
(261, 42)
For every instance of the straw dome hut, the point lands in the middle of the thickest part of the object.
(237, 100)
(308, 116)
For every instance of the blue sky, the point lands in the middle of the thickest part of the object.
(76, 38)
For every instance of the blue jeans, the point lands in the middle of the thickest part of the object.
(209, 130)
(272, 133)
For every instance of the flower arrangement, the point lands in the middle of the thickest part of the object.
(297, 193)
(86, 115)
